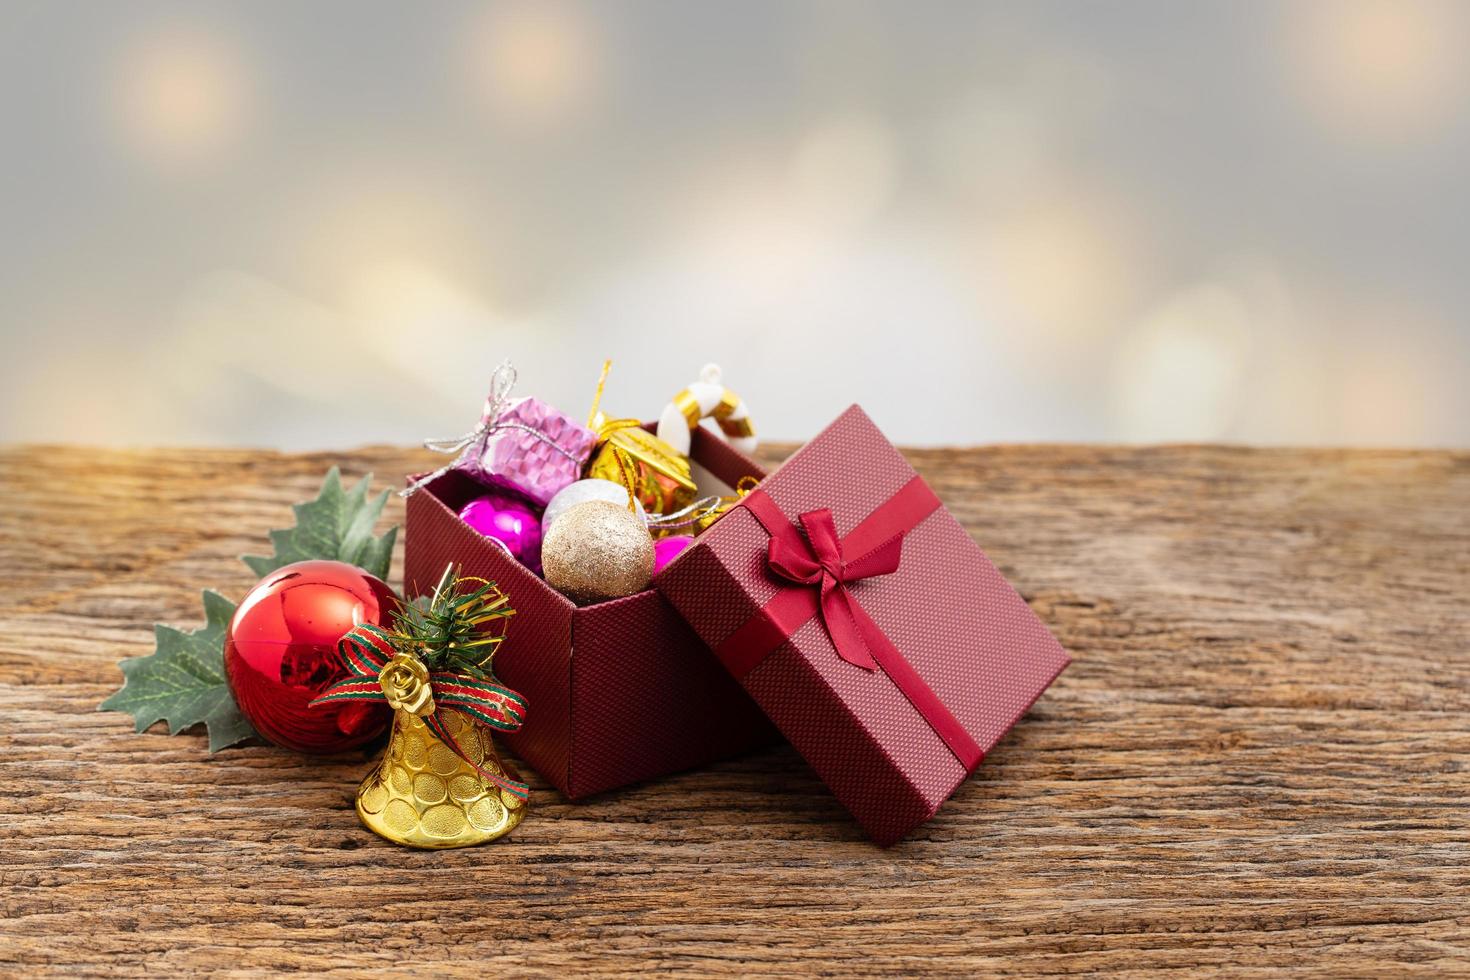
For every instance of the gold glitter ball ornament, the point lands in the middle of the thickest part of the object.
(596, 551)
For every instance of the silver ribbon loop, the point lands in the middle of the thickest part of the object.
(691, 515)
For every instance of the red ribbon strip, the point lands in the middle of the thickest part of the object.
(820, 566)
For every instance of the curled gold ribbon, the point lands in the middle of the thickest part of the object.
(643, 475)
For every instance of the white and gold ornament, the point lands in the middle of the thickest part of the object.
(707, 398)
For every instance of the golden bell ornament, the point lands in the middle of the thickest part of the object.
(440, 782)
(424, 795)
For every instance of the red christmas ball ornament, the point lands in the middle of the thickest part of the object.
(281, 652)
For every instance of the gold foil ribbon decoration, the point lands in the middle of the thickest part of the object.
(688, 407)
(743, 486)
(702, 513)
(733, 428)
(655, 473)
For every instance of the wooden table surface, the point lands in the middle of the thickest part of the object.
(1260, 758)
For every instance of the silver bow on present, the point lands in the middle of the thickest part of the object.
(472, 446)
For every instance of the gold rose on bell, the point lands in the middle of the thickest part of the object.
(405, 683)
(440, 782)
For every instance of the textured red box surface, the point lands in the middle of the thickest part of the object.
(951, 615)
(617, 692)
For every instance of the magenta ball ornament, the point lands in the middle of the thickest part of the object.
(513, 522)
(666, 549)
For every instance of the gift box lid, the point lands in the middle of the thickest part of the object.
(867, 624)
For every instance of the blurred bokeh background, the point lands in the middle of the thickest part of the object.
(322, 224)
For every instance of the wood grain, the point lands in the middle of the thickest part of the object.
(1260, 759)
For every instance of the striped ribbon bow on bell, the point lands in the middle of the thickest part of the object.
(381, 673)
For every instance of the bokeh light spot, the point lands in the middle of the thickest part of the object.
(181, 95)
(1180, 375)
(533, 63)
(1378, 70)
(1069, 263)
(843, 171)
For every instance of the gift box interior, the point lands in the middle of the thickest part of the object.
(867, 624)
(618, 692)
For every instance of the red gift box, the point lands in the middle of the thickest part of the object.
(617, 692)
(867, 624)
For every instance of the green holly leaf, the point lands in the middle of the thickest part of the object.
(338, 524)
(183, 681)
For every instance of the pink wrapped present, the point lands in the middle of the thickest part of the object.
(521, 444)
(531, 448)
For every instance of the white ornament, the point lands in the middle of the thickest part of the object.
(707, 398)
(580, 492)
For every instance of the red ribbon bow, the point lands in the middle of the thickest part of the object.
(821, 558)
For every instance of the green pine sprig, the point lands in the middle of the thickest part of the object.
(458, 627)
